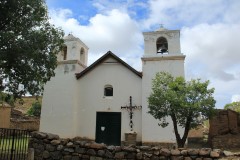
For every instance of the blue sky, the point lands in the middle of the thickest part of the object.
(210, 34)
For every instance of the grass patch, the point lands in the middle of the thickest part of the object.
(18, 145)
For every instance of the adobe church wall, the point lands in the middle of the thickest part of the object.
(50, 146)
(224, 130)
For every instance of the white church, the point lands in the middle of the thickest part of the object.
(94, 101)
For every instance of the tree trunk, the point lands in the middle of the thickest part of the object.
(181, 141)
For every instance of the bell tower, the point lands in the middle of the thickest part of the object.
(162, 52)
(71, 60)
(74, 52)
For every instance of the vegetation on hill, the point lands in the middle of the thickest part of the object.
(26, 103)
(233, 106)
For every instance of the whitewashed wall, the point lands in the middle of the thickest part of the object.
(151, 131)
(60, 103)
(91, 97)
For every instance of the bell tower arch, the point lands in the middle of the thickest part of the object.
(161, 53)
(162, 45)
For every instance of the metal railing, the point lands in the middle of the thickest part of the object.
(14, 144)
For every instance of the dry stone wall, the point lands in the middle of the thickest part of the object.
(50, 146)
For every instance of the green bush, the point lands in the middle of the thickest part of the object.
(35, 110)
(8, 98)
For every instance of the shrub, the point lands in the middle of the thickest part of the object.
(35, 110)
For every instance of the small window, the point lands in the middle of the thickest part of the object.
(108, 91)
(65, 53)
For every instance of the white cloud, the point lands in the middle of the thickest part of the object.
(114, 31)
(212, 53)
(192, 12)
(236, 98)
(215, 48)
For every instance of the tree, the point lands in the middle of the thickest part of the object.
(28, 46)
(185, 102)
(233, 106)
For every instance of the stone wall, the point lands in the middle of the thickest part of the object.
(224, 130)
(228, 141)
(31, 124)
(49, 146)
(22, 121)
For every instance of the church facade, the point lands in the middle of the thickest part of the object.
(108, 99)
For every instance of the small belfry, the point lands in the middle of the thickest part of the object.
(74, 49)
(162, 41)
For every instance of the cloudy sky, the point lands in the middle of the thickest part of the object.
(210, 34)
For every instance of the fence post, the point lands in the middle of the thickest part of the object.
(12, 147)
(30, 154)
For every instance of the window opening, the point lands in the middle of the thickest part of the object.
(65, 53)
(82, 55)
(108, 91)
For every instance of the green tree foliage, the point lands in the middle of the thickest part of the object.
(185, 102)
(28, 46)
(233, 106)
(35, 110)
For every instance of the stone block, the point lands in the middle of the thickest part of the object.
(120, 155)
(205, 151)
(56, 155)
(165, 152)
(80, 150)
(184, 152)
(108, 154)
(71, 150)
(193, 152)
(46, 154)
(97, 146)
(51, 136)
(139, 155)
(75, 158)
(175, 152)
(131, 155)
(91, 152)
(50, 147)
(154, 157)
(55, 142)
(101, 153)
(67, 157)
(214, 154)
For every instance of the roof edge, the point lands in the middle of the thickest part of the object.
(101, 59)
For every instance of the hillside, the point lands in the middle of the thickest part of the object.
(26, 103)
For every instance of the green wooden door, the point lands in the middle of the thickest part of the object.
(108, 128)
